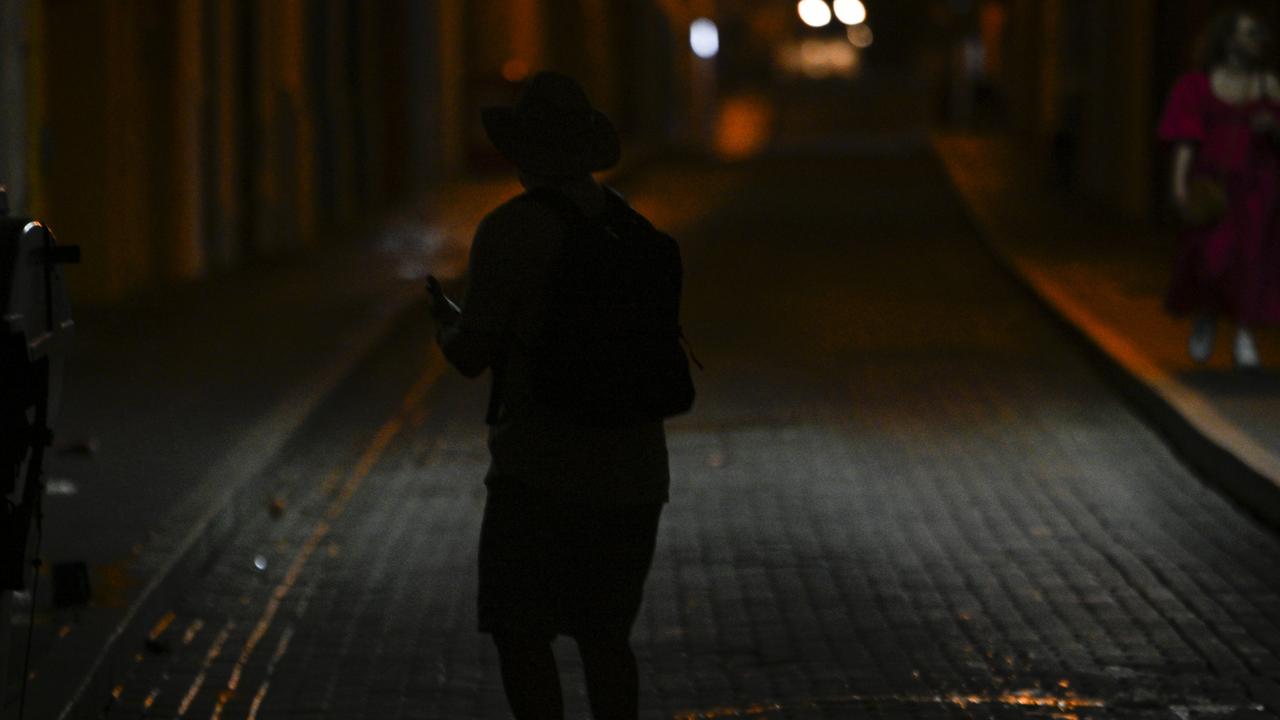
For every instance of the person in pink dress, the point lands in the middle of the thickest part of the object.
(1223, 124)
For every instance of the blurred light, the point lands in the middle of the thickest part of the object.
(515, 70)
(850, 12)
(60, 486)
(860, 36)
(814, 13)
(820, 58)
(975, 57)
(704, 38)
(744, 127)
(260, 563)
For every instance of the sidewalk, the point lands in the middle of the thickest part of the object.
(1106, 278)
(174, 404)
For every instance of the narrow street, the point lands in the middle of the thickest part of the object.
(903, 494)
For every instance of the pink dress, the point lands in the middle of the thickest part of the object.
(1232, 268)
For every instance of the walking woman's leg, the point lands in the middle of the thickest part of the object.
(1200, 343)
(1244, 349)
(613, 684)
(530, 676)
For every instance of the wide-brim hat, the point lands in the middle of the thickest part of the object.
(553, 129)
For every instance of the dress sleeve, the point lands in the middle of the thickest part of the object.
(1183, 118)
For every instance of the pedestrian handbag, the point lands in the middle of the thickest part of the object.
(610, 351)
(1206, 202)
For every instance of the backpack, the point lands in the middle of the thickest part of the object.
(610, 353)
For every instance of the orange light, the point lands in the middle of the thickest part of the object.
(860, 36)
(515, 70)
(162, 625)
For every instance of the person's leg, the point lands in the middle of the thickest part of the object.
(612, 560)
(530, 676)
(1200, 344)
(613, 684)
(1244, 350)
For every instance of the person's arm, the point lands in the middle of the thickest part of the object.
(471, 338)
(1182, 125)
(505, 262)
(1183, 155)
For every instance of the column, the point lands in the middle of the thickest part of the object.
(13, 103)
(185, 243)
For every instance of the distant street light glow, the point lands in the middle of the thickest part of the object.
(515, 70)
(814, 13)
(850, 12)
(860, 36)
(704, 38)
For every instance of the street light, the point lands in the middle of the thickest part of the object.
(850, 12)
(704, 38)
(860, 36)
(814, 13)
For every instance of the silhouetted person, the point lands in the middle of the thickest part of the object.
(578, 474)
(1224, 124)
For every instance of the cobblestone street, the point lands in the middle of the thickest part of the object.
(904, 493)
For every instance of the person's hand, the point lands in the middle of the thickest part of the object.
(443, 310)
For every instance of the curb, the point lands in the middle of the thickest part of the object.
(1213, 446)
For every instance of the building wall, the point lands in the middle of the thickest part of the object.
(1082, 96)
(13, 102)
(1091, 80)
(1117, 133)
(175, 138)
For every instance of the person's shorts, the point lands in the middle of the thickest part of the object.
(550, 566)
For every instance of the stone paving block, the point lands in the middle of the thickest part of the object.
(925, 497)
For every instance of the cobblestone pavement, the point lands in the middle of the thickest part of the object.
(903, 495)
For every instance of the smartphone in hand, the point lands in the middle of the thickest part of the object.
(442, 308)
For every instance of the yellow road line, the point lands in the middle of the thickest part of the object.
(214, 651)
(261, 695)
(368, 460)
(162, 625)
(192, 629)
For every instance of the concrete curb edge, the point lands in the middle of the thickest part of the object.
(1212, 445)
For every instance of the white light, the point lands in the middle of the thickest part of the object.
(704, 38)
(850, 12)
(60, 486)
(814, 13)
(860, 36)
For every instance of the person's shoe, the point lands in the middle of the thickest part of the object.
(1246, 352)
(1200, 346)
